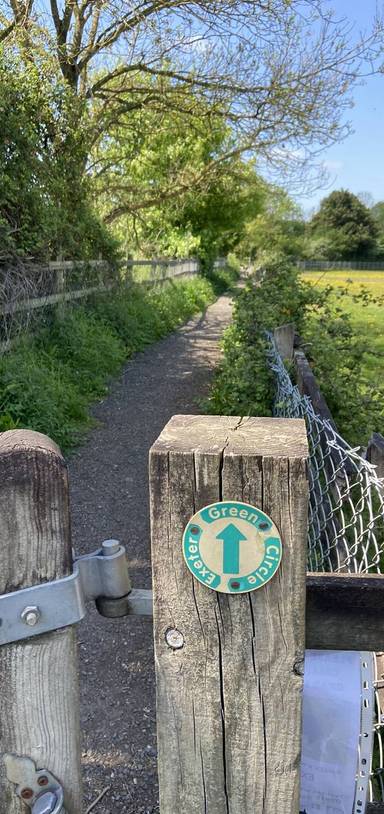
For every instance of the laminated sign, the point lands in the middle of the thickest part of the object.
(232, 547)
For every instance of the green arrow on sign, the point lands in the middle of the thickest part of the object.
(231, 537)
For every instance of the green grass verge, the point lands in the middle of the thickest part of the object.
(48, 381)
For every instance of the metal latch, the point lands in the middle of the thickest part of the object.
(102, 576)
(37, 788)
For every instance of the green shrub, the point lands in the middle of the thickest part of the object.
(244, 385)
(179, 300)
(224, 278)
(336, 352)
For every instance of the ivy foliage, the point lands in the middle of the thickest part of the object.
(244, 384)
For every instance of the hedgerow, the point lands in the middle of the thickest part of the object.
(244, 384)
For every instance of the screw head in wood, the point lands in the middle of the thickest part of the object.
(298, 667)
(174, 638)
(26, 794)
(30, 615)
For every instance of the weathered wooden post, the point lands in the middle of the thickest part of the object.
(229, 667)
(375, 453)
(284, 337)
(59, 284)
(39, 700)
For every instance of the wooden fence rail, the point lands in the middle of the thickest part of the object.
(163, 270)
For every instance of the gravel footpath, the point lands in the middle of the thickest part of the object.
(109, 492)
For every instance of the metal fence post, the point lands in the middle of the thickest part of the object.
(229, 667)
(39, 699)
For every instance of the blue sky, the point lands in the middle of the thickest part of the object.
(357, 163)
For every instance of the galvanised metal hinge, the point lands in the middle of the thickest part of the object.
(37, 788)
(102, 576)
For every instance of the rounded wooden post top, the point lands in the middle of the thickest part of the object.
(27, 440)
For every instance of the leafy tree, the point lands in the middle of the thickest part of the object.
(218, 214)
(165, 188)
(44, 203)
(377, 211)
(237, 55)
(120, 82)
(345, 225)
(366, 198)
(279, 225)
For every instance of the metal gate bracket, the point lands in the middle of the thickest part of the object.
(37, 788)
(102, 576)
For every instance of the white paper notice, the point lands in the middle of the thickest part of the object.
(331, 729)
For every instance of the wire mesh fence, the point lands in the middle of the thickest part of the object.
(346, 521)
(345, 535)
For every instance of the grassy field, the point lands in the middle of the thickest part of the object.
(367, 319)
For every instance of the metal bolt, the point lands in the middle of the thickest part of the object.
(195, 530)
(235, 585)
(174, 638)
(110, 547)
(263, 525)
(298, 667)
(30, 615)
(26, 794)
(45, 804)
(43, 780)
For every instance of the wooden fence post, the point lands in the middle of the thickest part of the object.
(284, 337)
(229, 668)
(60, 285)
(39, 699)
(375, 453)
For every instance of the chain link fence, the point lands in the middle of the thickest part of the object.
(345, 535)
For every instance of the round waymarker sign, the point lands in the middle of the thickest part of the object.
(232, 547)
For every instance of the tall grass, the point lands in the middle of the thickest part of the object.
(48, 381)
